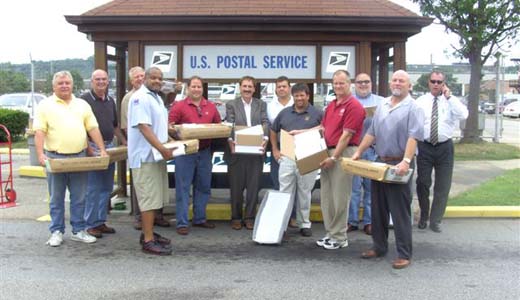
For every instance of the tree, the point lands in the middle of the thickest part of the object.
(484, 27)
(13, 82)
(78, 81)
(422, 84)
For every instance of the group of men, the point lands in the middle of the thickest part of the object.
(391, 135)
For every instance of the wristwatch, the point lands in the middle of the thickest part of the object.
(334, 158)
(407, 160)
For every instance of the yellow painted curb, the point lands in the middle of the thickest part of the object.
(32, 171)
(14, 151)
(46, 218)
(216, 211)
(38, 171)
(316, 215)
(482, 211)
(222, 212)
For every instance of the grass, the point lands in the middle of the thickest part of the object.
(485, 151)
(503, 190)
(20, 144)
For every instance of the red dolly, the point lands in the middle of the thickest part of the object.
(7, 193)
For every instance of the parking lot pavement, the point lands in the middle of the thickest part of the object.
(471, 259)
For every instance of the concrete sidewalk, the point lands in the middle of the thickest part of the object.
(32, 193)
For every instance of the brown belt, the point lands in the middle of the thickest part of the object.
(390, 158)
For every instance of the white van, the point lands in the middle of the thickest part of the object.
(21, 101)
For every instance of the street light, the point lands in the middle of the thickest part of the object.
(32, 91)
(497, 101)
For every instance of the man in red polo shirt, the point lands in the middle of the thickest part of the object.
(342, 127)
(193, 168)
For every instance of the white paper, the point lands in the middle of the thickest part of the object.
(308, 143)
(274, 218)
(193, 125)
(249, 149)
(255, 130)
(180, 150)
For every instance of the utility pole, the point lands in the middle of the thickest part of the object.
(32, 88)
(497, 99)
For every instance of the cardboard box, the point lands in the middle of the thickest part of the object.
(202, 131)
(190, 146)
(311, 152)
(374, 170)
(249, 140)
(77, 164)
(117, 153)
(181, 148)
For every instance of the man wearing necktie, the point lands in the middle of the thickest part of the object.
(442, 113)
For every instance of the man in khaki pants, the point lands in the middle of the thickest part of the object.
(342, 127)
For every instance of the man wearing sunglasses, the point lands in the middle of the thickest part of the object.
(360, 185)
(442, 113)
(193, 168)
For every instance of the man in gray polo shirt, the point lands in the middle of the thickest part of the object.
(397, 125)
(296, 119)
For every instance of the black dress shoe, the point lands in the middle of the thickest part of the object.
(422, 224)
(306, 232)
(435, 228)
(351, 228)
(105, 229)
(207, 225)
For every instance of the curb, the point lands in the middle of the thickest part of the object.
(32, 171)
(39, 172)
(482, 212)
(222, 212)
(14, 151)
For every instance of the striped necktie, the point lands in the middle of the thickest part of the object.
(434, 134)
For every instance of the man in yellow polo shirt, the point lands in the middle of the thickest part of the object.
(61, 126)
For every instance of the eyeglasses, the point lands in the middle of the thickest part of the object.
(199, 111)
(436, 82)
(363, 81)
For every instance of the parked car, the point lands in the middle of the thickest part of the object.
(21, 101)
(512, 110)
(489, 107)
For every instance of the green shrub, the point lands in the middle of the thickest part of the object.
(15, 121)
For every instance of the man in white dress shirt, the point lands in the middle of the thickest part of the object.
(442, 113)
(284, 99)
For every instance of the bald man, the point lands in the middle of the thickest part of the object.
(101, 183)
(397, 125)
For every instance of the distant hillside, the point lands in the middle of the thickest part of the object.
(43, 68)
(85, 67)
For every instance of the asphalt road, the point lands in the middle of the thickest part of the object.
(471, 259)
(509, 132)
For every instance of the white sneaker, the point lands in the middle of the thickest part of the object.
(84, 237)
(56, 239)
(322, 241)
(333, 244)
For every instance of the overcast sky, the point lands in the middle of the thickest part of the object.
(39, 28)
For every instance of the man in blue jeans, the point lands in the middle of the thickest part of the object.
(193, 168)
(360, 185)
(61, 126)
(101, 183)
